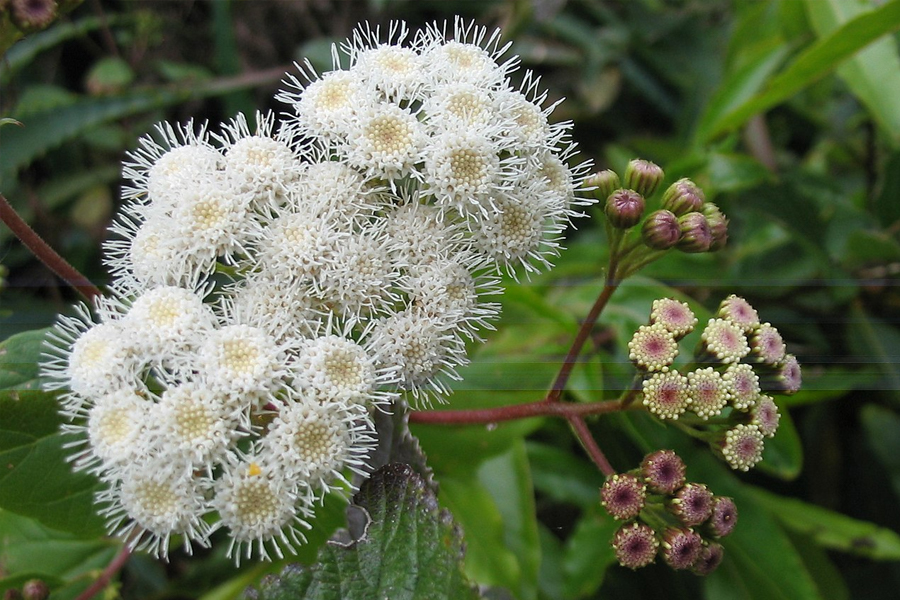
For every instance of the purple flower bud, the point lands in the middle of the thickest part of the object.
(740, 312)
(643, 176)
(766, 416)
(635, 545)
(624, 208)
(35, 589)
(695, 234)
(661, 230)
(693, 504)
(663, 471)
(683, 197)
(681, 547)
(604, 183)
(710, 558)
(718, 226)
(723, 518)
(622, 495)
(742, 446)
(767, 345)
(32, 15)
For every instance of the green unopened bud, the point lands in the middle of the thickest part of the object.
(32, 15)
(695, 233)
(683, 197)
(35, 589)
(624, 208)
(661, 230)
(718, 226)
(604, 183)
(643, 177)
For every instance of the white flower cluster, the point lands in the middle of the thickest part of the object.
(274, 285)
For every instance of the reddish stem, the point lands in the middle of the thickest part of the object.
(562, 378)
(541, 408)
(44, 252)
(590, 445)
(108, 573)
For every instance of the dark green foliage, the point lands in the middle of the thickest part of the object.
(406, 548)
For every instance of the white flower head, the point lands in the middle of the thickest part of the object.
(259, 505)
(154, 501)
(196, 425)
(263, 163)
(530, 126)
(420, 233)
(361, 276)
(157, 170)
(241, 360)
(423, 349)
(462, 103)
(296, 245)
(333, 190)
(117, 428)
(326, 107)
(471, 55)
(385, 141)
(316, 442)
(285, 308)
(337, 371)
(169, 320)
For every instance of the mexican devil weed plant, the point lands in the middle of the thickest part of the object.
(279, 281)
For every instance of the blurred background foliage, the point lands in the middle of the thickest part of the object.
(785, 111)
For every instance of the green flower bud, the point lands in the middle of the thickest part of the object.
(718, 226)
(661, 230)
(624, 208)
(683, 197)
(695, 234)
(604, 183)
(643, 177)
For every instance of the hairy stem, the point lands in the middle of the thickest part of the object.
(108, 573)
(44, 252)
(541, 408)
(590, 445)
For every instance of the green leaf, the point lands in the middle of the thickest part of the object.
(814, 62)
(410, 549)
(588, 554)
(875, 342)
(563, 476)
(883, 436)
(62, 560)
(488, 561)
(874, 73)
(36, 480)
(831, 529)
(507, 478)
(19, 358)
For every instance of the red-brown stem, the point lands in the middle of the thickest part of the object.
(44, 252)
(562, 377)
(590, 445)
(108, 573)
(541, 408)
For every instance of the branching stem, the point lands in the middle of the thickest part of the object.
(106, 576)
(44, 252)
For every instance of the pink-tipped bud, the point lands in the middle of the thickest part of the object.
(709, 394)
(661, 230)
(681, 547)
(635, 545)
(35, 589)
(788, 377)
(624, 208)
(718, 226)
(603, 183)
(683, 197)
(663, 471)
(32, 15)
(710, 558)
(653, 348)
(666, 394)
(766, 416)
(675, 316)
(693, 504)
(695, 234)
(742, 447)
(767, 345)
(723, 518)
(622, 495)
(740, 312)
(643, 176)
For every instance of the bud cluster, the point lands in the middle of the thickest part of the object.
(274, 285)
(726, 389)
(666, 515)
(29, 16)
(683, 219)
